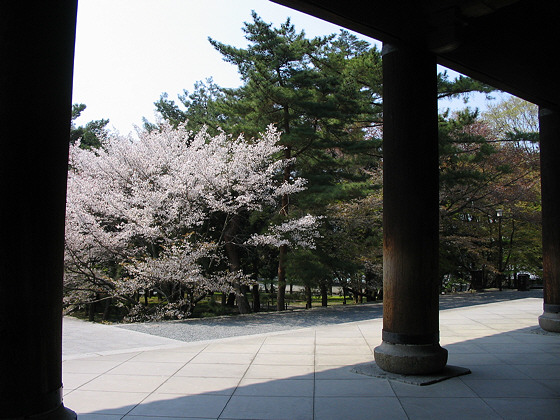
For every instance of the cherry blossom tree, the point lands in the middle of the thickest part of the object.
(139, 214)
(297, 233)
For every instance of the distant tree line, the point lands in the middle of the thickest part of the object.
(312, 217)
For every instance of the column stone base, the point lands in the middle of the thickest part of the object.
(550, 321)
(410, 359)
(61, 413)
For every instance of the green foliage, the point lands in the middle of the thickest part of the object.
(91, 134)
(513, 119)
(479, 174)
(460, 87)
(197, 109)
(325, 95)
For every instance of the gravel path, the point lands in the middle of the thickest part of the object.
(223, 327)
(259, 323)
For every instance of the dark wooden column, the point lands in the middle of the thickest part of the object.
(410, 215)
(550, 184)
(36, 62)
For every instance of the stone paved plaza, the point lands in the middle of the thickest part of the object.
(113, 373)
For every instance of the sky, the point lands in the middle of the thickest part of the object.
(128, 52)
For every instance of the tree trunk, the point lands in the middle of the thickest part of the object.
(241, 299)
(106, 308)
(281, 292)
(91, 310)
(324, 295)
(232, 253)
(283, 251)
(256, 298)
(307, 297)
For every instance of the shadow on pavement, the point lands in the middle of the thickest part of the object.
(503, 384)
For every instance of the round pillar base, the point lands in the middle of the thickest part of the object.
(61, 413)
(410, 359)
(550, 321)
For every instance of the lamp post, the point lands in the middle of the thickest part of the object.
(499, 214)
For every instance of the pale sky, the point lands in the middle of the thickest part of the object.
(128, 52)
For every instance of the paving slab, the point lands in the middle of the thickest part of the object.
(290, 374)
(85, 339)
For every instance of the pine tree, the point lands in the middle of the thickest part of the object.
(322, 94)
(325, 96)
(90, 135)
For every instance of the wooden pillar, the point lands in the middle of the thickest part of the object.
(410, 215)
(36, 63)
(549, 122)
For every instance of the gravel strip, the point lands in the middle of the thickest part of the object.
(191, 330)
(264, 322)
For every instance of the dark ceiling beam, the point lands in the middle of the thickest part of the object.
(509, 44)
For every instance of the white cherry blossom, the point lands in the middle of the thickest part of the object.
(135, 208)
